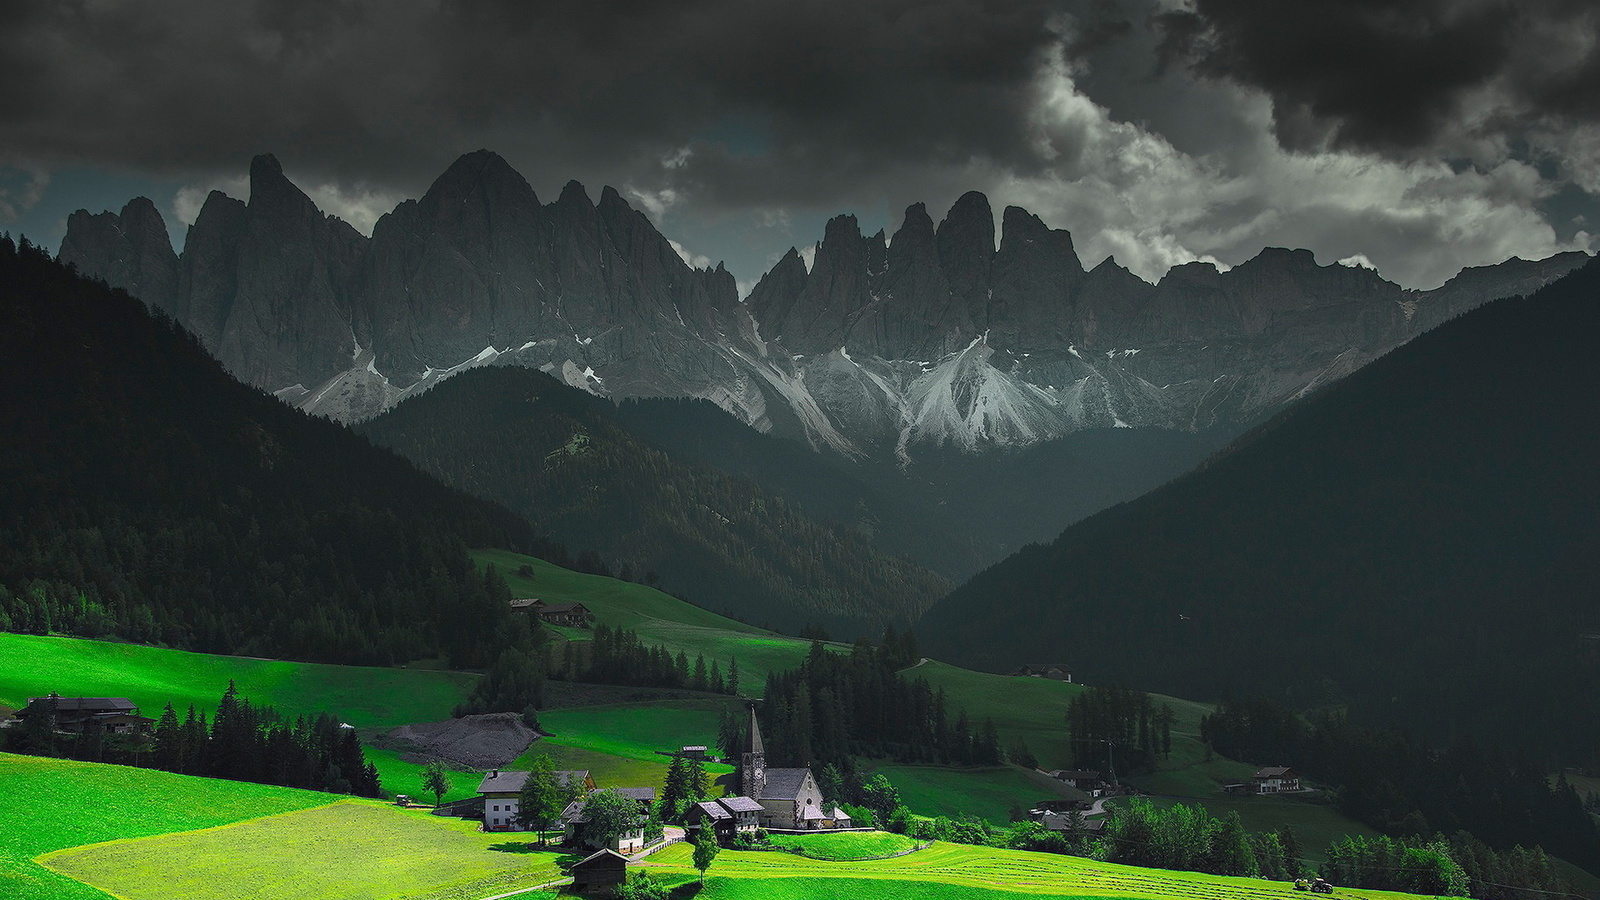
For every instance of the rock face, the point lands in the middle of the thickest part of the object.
(934, 337)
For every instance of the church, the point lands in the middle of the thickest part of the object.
(789, 798)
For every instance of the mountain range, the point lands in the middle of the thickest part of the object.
(940, 336)
(1415, 543)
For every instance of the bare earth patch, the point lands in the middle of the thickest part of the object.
(486, 741)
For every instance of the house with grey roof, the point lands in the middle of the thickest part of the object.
(500, 789)
(574, 818)
(1275, 780)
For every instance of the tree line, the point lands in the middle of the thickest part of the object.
(835, 705)
(1402, 786)
(242, 742)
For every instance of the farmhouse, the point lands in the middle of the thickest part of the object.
(1275, 780)
(1052, 671)
(575, 615)
(603, 868)
(499, 792)
(111, 715)
(1081, 779)
(727, 816)
(789, 798)
(573, 821)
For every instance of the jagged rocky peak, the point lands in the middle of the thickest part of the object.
(1035, 274)
(966, 250)
(478, 184)
(131, 250)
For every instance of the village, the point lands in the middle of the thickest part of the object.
(760, 800)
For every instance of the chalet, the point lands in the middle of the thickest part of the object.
(499, 792)
(789, 798)
(529, 605)
(1275, 780)
(573, 821)
(727, 816)
(109, 715)
(1079, 778)
(1052, 671)
(603, 868)
(694, 751)
(574, 615)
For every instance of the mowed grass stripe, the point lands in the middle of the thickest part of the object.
(52, 804)
(943, 867)
(348, 850)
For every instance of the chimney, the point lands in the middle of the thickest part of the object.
(495, 774)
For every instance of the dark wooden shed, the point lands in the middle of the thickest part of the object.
(601, 869)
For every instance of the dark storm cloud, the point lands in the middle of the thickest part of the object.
(391, 91)
(1398, 76)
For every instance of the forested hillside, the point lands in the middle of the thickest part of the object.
(1416, 542)
(560, 457)
(146, 495)
(950, 511)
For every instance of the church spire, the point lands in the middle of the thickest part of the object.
(753, 761)
(753, 741)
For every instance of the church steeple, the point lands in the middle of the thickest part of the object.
(753, 761)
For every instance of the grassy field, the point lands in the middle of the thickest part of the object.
(53, 804)
(367, 697)
(989, 793)
(617, 742)
(958, 872)
(659, 618)
(850, 845)
(349, 850)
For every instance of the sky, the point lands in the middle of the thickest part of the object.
(1414, 136)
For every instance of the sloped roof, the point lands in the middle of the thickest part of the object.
(599, 858)
(784, 784)
(839, 815)
(563, 608)
(88, 704)
(740, 804)
(642, 794)
(713, 809)
(573, 814)
(565, 777)
(502, 782)
(1273, 772)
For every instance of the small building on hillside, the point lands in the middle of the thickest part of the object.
(574, 820)
(499, 792)
(726, 816)
(573, 615)
(108, 715)
(1275, 780)
(1063, 822)
(1052, 671)
(1081, 779)
(528, 605)
(603, 868)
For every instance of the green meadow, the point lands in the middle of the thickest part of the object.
(659, 618)
(53, 804)
(959, 872)
(850, 845)
(364, 696)
(617, 742)
(348, 850)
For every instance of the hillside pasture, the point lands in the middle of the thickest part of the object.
(659, 618)
(960, 872)
(46, 802)
(364, 696)
(618, 742)
(348, 850)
